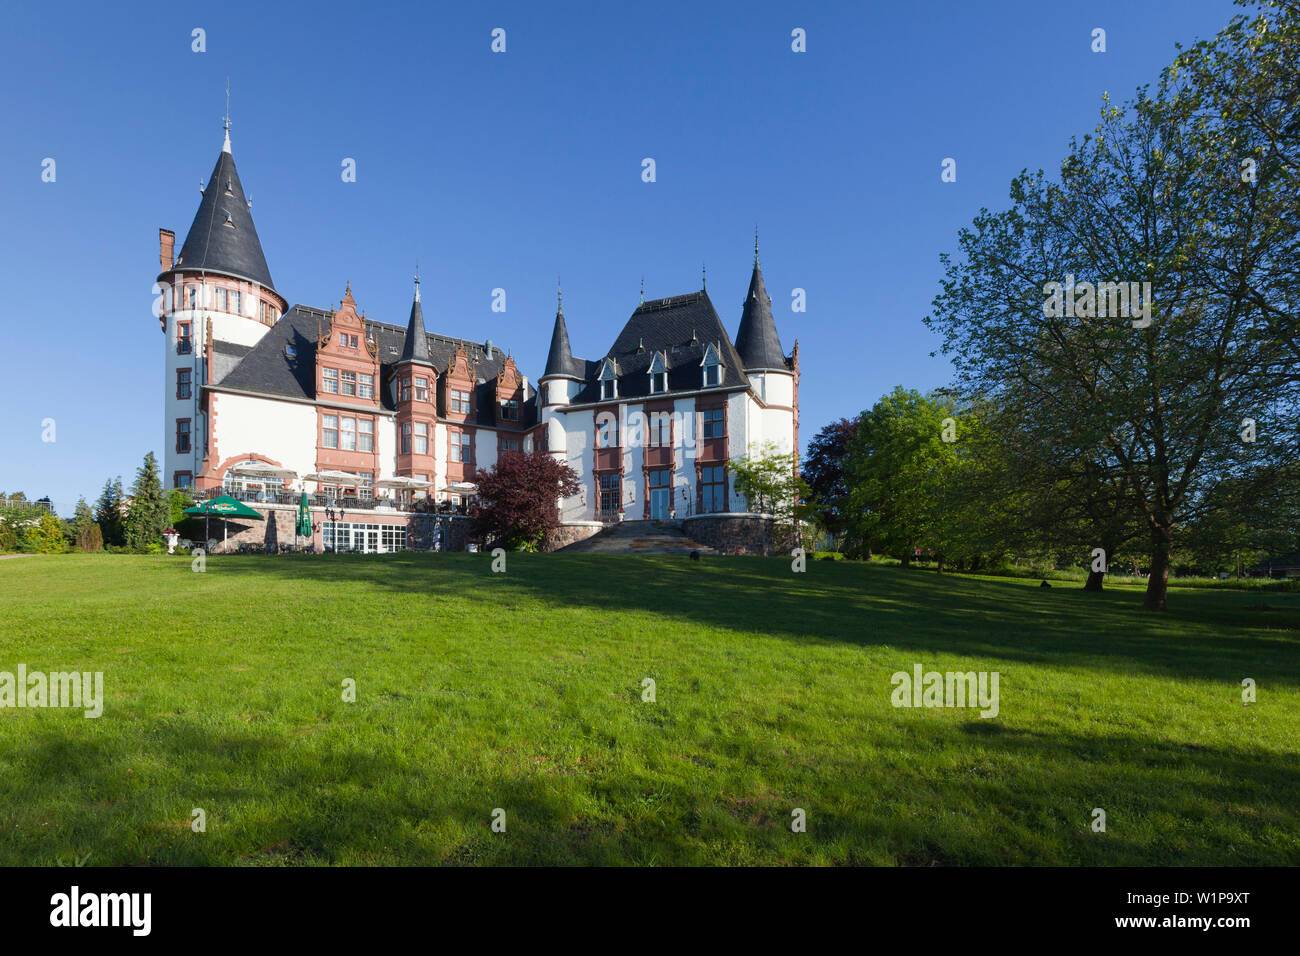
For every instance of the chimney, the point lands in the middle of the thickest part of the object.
(166, 248)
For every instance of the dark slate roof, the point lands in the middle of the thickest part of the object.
(560, 360)
(222, 237)
(225, 357)
(268, 368)
(756, 339)
(681, 326)
(416, 346)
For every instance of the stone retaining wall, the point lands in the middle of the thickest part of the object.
(727, 532)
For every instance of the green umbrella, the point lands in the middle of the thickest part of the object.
(223, 507)
(304, 518)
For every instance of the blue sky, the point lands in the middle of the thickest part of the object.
(504, 170)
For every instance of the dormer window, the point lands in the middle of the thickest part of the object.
(510, 410)
(608, 381)
(658, 374)
(712, 366)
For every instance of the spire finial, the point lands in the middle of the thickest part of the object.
(417, 280)
(755, 245)
(643, 290)
(225, 148)
(559, 296)
(704, 276)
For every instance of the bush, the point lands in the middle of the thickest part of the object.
(90, 539)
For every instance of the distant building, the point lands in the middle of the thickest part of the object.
(384, 424)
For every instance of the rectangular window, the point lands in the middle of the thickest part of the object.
(609, 496)
(405, 390)
(421, 389)
(608, 389)
(711, 374)
(607, 430)
(421, 438)
(219, 296)
(192, 296)
(661, 478)
(659, 382)
(348, 434)
(349, 386)
(183, 382)
(365, 434)
(713, 422)
(183, 338)
(661, 428)
(182, 434)
(330, 431)
(182, 479)
(330, 380)
(509, 444)
(510, 411)
(406, 438)
(453, 439)
(366, 386)
(466, 448)
(236, 303)
(347, 340)
(713, 488)
(460, 401)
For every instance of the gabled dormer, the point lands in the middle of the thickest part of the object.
(711, 367)
(509, 395)
(347, 363)
(608, 378)
(658, 373)
(457, 387)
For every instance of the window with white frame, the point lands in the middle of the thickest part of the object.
(459, 401)
(365, 386)
(658, 374)
(349, 385)
(365, 434)
(713, 423)
(330, 380)
(421, 389)
(421, 438)
(329, 432)
(348, 434)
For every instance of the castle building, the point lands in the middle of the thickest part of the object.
(386, 426)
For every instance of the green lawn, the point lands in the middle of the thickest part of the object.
(523, 691)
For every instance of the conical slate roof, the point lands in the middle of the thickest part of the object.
(756, 340)
(222, 237)
(416, 346)
(560, 360)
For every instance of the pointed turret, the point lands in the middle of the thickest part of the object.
(757, 342)
(560, 360)
(416, 347)
(222, 237)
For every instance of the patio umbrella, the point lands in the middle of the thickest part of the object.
(303, 527)
(223, 507)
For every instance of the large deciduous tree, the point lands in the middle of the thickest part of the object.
(1154, 394)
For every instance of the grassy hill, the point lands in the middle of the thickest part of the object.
(523, 691)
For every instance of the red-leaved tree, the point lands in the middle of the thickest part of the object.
(518, 498)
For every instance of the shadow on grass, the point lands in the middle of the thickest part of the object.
(1013, 797)
(1211, 635)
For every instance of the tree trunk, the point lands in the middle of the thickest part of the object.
(1158, 581)
(940, 569)
(1097, 578)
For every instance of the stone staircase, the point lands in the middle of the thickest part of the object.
(639, 537)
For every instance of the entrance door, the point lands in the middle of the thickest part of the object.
(659, 499)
